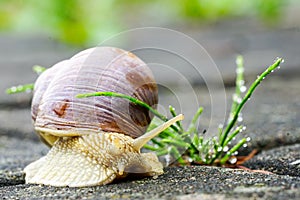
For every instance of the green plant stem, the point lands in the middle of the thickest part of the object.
(244, 100)
(123, 96)
(38, 69)
(232, 150)
(173, 112)
(239, 78)
(132, 99)
(177, 155)
(237, 131)
(21, 88)
(162, 152)
(179, 143)
(192, 127)
(246, 97)
(149, 147)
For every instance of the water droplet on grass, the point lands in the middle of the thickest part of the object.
(239, 70)
(232, 160)
(241, 82)
(245, 145)
(248, 139)
(13, 89)
(225, 149)
(236, 98)
(20, 87)
(243, 88)
(240, 119)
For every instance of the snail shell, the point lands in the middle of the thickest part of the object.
(55, 106)
(94, 140)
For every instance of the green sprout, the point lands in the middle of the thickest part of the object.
(27, 87)
(196, 149)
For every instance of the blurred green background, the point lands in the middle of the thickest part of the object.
(83, 23)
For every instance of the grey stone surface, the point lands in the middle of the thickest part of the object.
(176, 181)
(16, 153)
(17, 123)
(284, 160)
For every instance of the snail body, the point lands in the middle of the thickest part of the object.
(94, 140)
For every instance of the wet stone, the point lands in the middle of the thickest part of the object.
(176, 182)
(283, 160)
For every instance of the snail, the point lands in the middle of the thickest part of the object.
(94, 140)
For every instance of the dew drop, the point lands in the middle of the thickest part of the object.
(20, 87)
(225, 149)
(203, 158)
(239, 70)
(235, 153)
(272, 70)
(244, 128)
(240, 119)
(243, 88)
(232, 160)
(278, 67)
(168, 159)
(234, 138)
(219, 149)
(234, 97)
(263, 78)
(248, 139)
(13, 89)
(245, 145)
(282, 61)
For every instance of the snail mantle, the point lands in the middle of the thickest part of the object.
(94, 140)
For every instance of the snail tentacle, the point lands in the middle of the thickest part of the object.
(142, 140)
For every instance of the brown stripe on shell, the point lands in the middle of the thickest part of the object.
(61, 107)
